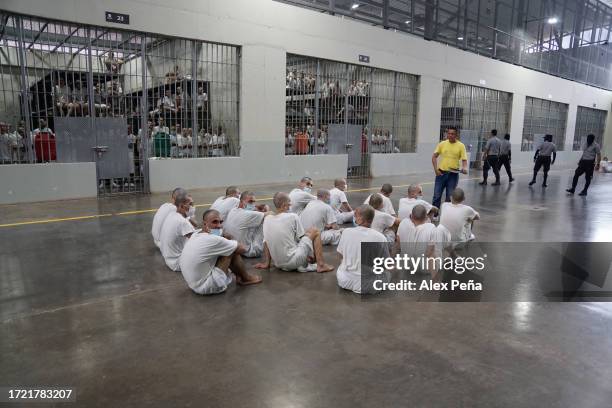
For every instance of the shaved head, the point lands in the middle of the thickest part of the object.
(339, 182)
(414, 190)
(177, 191)
(458, 195)
(386, 189)
(231, 191)
(365, 213)
(280, 199)
(419, 213)
(209, 213)
(322, 194)
(376, 201)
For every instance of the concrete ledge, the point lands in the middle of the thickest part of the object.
(22, 183)
(165, 174)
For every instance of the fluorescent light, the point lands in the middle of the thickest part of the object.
(460, 38)
(552, 20)
(407, 21)
(354, 6)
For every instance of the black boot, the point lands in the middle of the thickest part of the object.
(532, 182)
(570, 190)
(544, 182)
(483, 183)
(583, 193)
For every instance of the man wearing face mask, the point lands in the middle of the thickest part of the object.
(287, 244)
(225, 204)
(176, 230)
(415, 197)
(245, 224)
(339, 202)
(301, 195)
(349, 249)
(210, 257)
(320, 215)
(162, 212)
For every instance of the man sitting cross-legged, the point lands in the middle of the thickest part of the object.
(415, 197)
(225, 204)
(383, 222)
(319, 214)
(245, 224)
(349, 272)
(339, 202)
(287, 245)
(419, 237)
(209, 258)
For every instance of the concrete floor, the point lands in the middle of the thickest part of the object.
(90, 304)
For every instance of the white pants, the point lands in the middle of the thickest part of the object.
(299, 259)
(216, 282)
(344, 217)
(331, 237)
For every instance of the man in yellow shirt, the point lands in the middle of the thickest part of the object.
(452, 154)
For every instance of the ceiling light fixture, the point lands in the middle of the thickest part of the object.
(354, 6)
(552, 20)
(460, 38)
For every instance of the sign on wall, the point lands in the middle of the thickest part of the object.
(118, 18)
(364, 58)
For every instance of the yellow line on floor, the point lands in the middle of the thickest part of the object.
(84, 217)
(136, 212)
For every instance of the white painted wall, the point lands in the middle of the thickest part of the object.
(21, 183)
(267, 30)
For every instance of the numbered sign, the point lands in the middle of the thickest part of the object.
(118, 18)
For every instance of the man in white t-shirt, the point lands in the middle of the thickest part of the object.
(225, 204)
(415, 197)
(383, 222)
(301, 195)
(162, 212)
(458, 218)
(419, 237)
(349, 272)
(385, 193)
(339, 202)
(287, 244)
(245, 224)
(319, 214)
(209, 257)
(176, 230)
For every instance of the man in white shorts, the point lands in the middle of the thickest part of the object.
(176, 231)
(162, 212)
(245, 224)
(349, 249)
(383, 222)
(458, 218)
(419, 237)
(287, 244)
(319, 214)
(225, 204)
(338, 201)
(415, 197)
(385, 193)
(209, 259)
(301, 195)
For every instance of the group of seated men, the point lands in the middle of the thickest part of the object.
(293, 235)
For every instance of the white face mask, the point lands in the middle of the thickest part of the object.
(191, 212)
(217, 231)
(307, 189)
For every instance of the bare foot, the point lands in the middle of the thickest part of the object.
(262, 266)
(252, 280)
(324, 268)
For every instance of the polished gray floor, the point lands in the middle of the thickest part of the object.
(89, 304)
